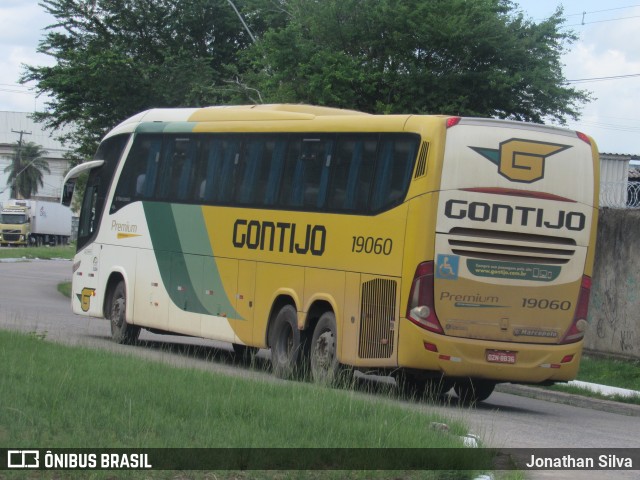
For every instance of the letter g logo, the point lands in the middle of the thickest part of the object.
(521, 160)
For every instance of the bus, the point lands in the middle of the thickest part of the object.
(447, 252)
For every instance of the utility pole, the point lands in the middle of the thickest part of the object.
(17, 162)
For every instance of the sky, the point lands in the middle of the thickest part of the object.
(606, 60)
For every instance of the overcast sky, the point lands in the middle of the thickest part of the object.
(609, 46)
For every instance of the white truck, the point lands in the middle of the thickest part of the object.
(34, 222)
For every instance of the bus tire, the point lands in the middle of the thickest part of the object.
(284, 340)
(244, 353)
(471, 391)
(417, 386)
(324, 351)
(121, 331)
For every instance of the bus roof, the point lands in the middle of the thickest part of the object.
(184, 119)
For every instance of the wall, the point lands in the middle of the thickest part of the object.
(614, 309)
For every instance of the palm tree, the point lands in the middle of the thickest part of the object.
(27, 169)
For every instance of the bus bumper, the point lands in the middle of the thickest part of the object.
(463, 357)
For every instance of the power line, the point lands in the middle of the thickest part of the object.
(601, 79)
(601, 21)
(602, 11)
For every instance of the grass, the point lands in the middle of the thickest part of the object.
(66, 252)
(623, 373)
(55, 396)
(593, 369)
(607, 371)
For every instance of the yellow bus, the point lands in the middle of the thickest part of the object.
(443, 250)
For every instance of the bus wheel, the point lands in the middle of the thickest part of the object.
(121, 331)
(323, 354)
(420, 386)
(284, 340)
(472, 391)
(244, 353)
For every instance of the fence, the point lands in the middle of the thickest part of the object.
(623, 194)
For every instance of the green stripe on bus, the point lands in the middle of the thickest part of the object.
(185, 258)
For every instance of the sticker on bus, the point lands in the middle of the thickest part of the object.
(447, 267)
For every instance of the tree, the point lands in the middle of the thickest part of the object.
(26, 169)
(115, 58)
(466, 57)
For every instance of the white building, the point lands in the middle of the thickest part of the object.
(11, 122)
(616, 189)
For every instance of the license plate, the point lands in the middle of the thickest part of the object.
(501, 356)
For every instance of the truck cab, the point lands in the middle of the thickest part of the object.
(15, 225)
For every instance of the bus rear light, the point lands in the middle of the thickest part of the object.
(580, 324)
(584, 138)
(430, 346)
(453, 121)
(566, 359)
(421, 309)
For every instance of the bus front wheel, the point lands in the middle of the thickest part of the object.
(323, 354)
(284, 340)
(121, 331)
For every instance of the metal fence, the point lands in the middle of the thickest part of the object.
(620, 194)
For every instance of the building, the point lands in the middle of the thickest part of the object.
(11, 122)
(618, 182)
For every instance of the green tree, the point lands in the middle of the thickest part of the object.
(115, 58)
(466, 57)
(26, 169)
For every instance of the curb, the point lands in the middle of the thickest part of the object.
(570, 399)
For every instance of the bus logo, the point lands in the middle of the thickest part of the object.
(521, 160)
(85, 298)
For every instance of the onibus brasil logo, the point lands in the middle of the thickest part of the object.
(521, 160)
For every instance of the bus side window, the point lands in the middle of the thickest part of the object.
(226, 182)
(177, 161)
(307, 173)
(187, 171)
(272, 185)
(393, 172)
(151, 170)
(136, 179)
(352, 169)
(250, 171)
(211, 162)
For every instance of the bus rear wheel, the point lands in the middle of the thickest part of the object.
(472, 391)
(284, 340)
(418, 386)
(324, 347)
(121, 331)
(244, 353)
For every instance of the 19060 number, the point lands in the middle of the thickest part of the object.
(545, 304)
(377, 246)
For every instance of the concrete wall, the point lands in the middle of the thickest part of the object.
(614, 309)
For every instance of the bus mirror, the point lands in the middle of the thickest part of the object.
(67, 191)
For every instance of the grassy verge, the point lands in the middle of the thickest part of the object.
(603, 371)
(610, 372)
(47, 253)
(55, 396)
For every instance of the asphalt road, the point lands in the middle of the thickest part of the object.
(29, 301)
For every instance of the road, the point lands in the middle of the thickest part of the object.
(30, 302)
